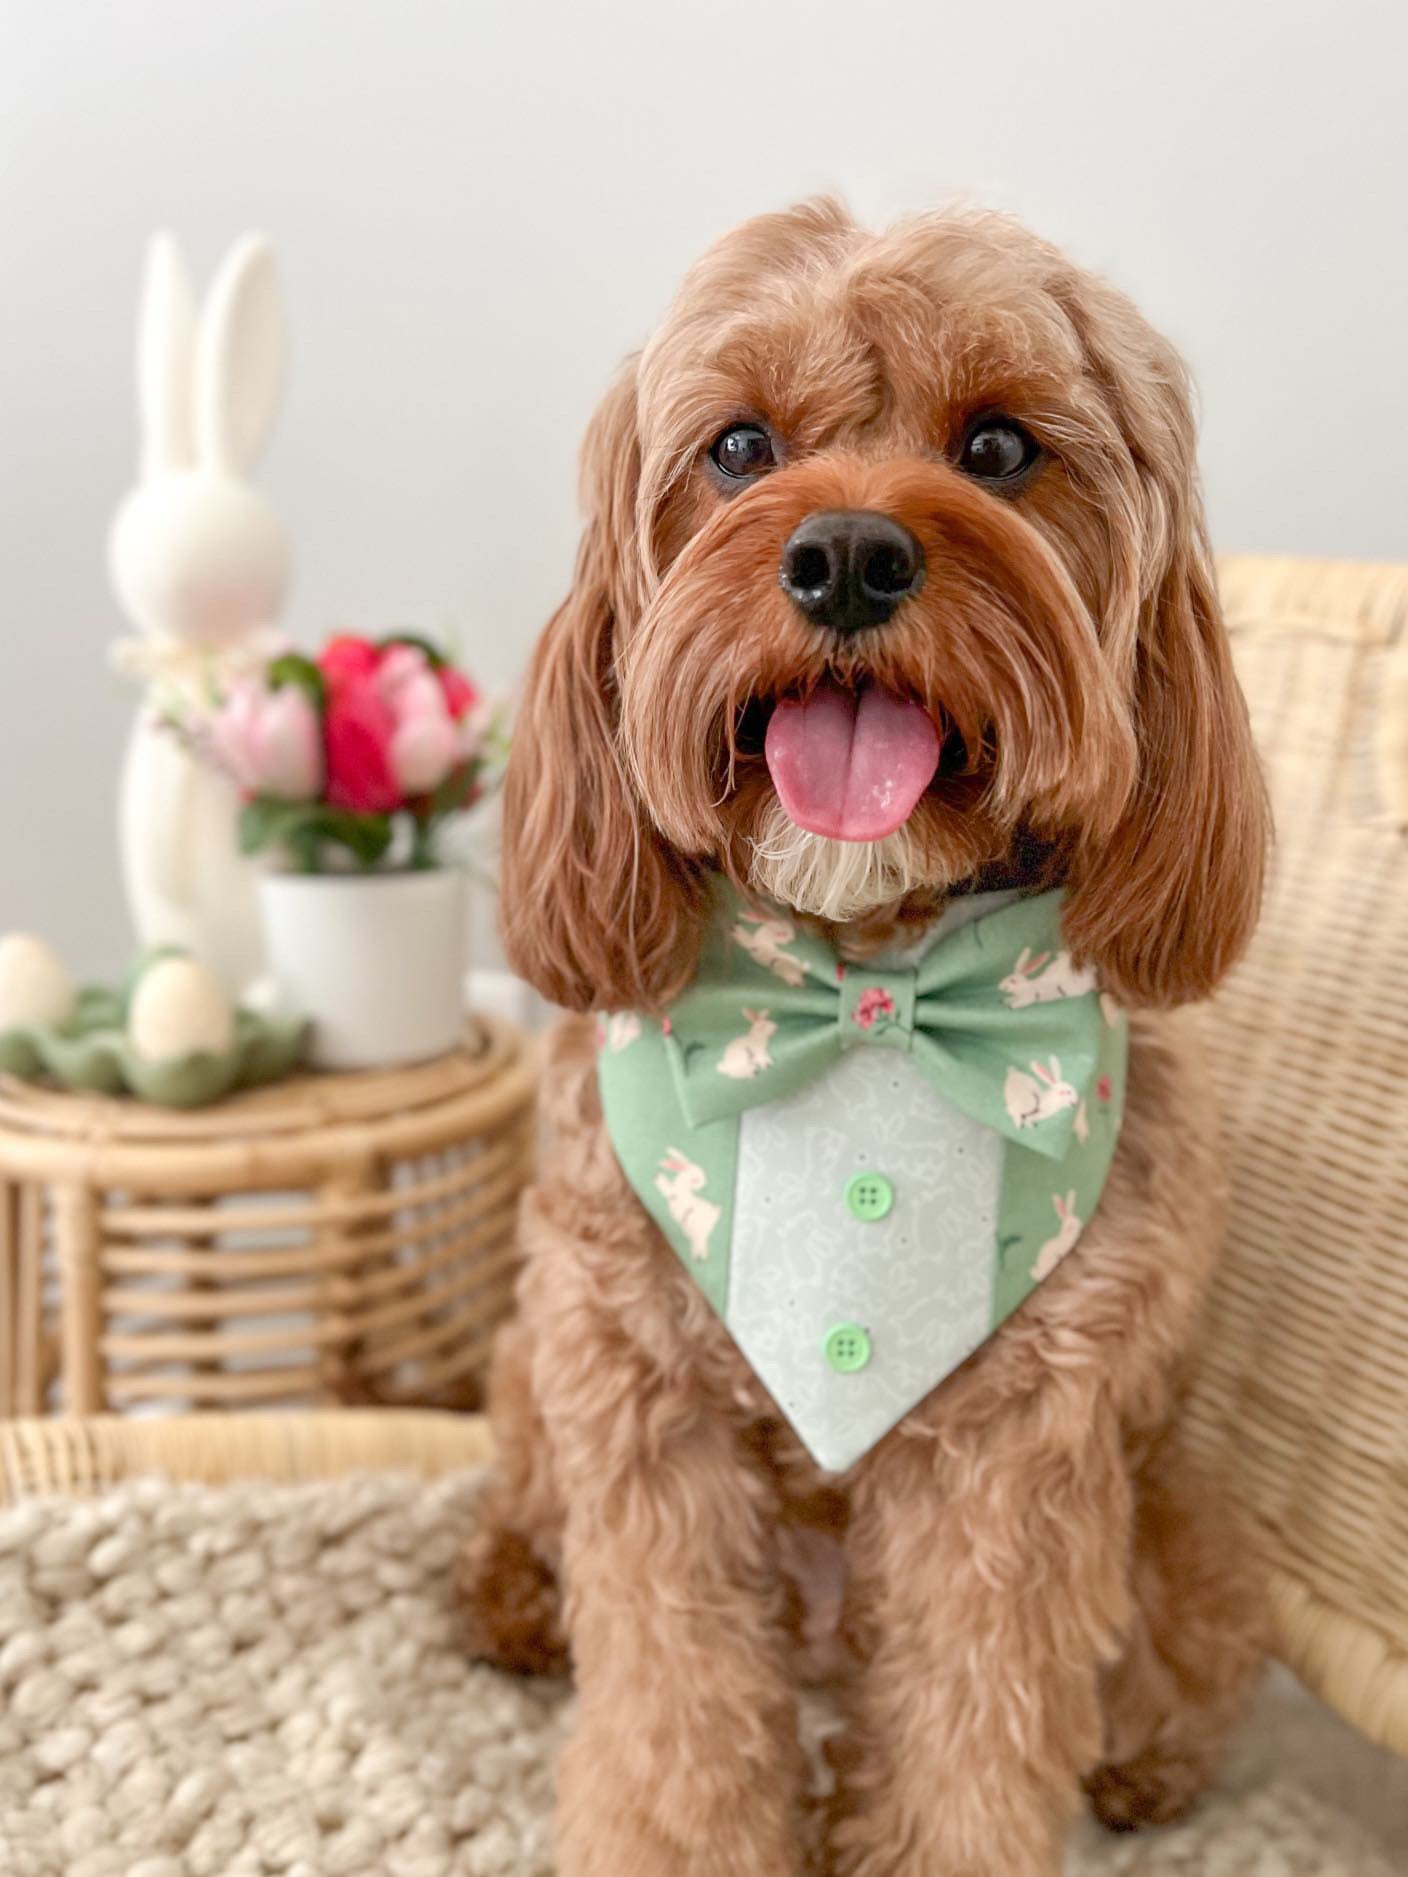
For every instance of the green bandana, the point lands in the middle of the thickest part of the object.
(984, 1083)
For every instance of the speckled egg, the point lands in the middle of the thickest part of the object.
(34, 987)
(178, 1008)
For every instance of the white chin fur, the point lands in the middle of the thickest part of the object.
(836, 880)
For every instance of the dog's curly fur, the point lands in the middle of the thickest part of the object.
(1037, 1589)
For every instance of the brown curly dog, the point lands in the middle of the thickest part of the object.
(1037, 1591)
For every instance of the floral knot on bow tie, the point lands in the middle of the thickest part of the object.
(878, 1006)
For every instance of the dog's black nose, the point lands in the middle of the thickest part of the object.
(848, 568)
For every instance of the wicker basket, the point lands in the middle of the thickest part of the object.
(1304, 1388)
(343, 1238)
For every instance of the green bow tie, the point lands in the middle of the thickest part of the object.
(994, 1013)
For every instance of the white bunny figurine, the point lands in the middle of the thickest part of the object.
(200, 563)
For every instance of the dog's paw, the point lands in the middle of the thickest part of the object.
(511, 1605)
(1155, 1788)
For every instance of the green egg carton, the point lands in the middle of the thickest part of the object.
(90, 1051)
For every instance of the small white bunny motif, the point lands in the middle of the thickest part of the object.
(1063, 1239)
(1029, 1101)
(747, 1056)
(762, 936)
(1080, 1127)
(199, 561)
(1041, 980)
(682, 1184)
(621, 1029)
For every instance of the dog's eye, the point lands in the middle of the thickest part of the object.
(743, 450)
(997, 449)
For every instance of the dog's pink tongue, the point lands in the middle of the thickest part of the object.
(850, 765)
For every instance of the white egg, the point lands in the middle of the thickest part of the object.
(34, 987)
(177, 1008)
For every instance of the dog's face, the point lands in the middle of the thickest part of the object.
(894, 578)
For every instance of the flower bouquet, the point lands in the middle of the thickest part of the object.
(333, 752)
(349, 765)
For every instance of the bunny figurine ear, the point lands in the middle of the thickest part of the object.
(239, 357)
(166, 328)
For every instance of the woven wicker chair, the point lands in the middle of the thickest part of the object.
(86, 1454)
(1303, 1394)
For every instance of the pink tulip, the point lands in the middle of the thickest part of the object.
(269, 741)
(425, 742)
(397, 666)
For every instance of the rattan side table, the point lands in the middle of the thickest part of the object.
(331, 1239)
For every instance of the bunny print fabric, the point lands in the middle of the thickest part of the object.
(867, 1171)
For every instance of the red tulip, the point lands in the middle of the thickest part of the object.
(347, 657)
(357, 732)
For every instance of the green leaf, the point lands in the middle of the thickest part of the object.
(435, 658)
(305, 848)
(423, 846)
(366, 837)
(294, 668)
(260, 822)
(269, 821)
(302, 827)
(453, 793)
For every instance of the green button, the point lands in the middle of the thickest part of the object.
(847, 1348)
(869, 1196)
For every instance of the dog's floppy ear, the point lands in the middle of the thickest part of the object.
(1166, 904)
(596, 913)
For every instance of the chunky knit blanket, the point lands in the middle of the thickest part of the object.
(249, 1679)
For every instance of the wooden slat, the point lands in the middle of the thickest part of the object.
(9, 1323)
(29, 1291)
(72, 1456)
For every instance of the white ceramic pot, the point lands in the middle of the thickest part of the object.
(376, 961)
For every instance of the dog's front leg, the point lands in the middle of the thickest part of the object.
(988, 1582)
(685, 1760)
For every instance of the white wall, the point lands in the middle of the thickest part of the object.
(479, 210)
